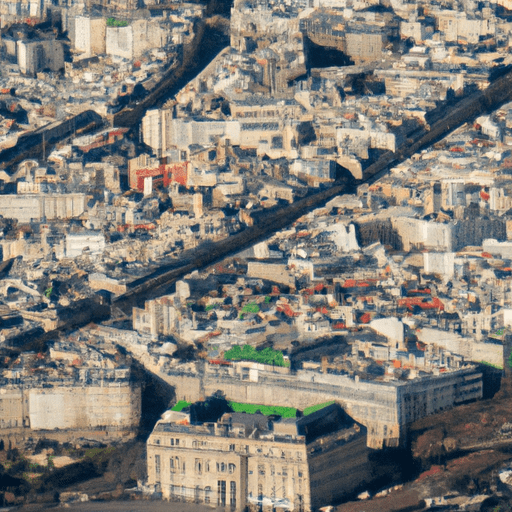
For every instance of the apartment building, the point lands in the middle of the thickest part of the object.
(253, 461)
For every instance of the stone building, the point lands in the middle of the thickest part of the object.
(35, 56)
(252, 461)
(36, 207)
(385, 405)
(89, 34)
(92, 399)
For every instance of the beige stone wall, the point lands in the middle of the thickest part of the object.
(98, 35)
(117, 405)
(273, 271)
(273, 470)
(378, 405)
(11, 413)
(26, 208)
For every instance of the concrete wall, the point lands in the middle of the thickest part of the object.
(114, 405)
(26, 208)
(439, 263)
(11, 413)
(119, 42)
(337, 466)
(376, 404)
(468, 347)
(272, 271)
(90, 35)
(417, 233)
(76, 243)
(35, 56)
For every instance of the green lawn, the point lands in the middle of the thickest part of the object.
(267, 410)
(249, 353)
(180, 405)
(314, 408)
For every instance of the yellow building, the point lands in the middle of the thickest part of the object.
(251, 460)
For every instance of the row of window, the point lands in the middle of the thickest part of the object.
(233, 448)
(283, 472)
(205, 495)
(176, 465)
(172, 442)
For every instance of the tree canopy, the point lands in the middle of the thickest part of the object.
(249, 353)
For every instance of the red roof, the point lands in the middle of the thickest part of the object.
(365, 318)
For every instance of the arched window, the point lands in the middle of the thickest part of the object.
(207, 494)
(232, 468)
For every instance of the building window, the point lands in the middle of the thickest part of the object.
(232, 494)
(272, 470)
(261, 470)
(183, 468)
(221, 493)
(174, 464)
(221, 468)
(285, 471)
(157, 441)
(199, 466)
(177, 442)
(232, 468)
(207, 494)
(157, 464)
(172, 442)
(231, 447)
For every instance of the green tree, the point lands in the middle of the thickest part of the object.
(235, 353)
(248, 352)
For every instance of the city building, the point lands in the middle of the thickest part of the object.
(250, 461)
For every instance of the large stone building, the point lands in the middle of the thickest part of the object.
(35, 56)
(92, 399)
(264, 463)
(385, 405)
(36, 207)
(90, 34)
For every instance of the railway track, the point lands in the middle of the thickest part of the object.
(39, 142)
